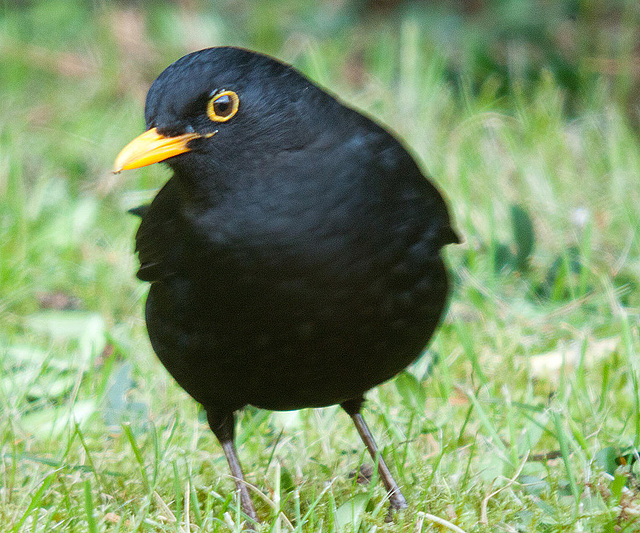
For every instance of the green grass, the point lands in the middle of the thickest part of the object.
(529, 420)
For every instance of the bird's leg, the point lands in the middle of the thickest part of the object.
(222, 425)
(396, 498)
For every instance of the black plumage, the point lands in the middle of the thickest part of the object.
(294, 256)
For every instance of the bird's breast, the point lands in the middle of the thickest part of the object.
(298, 293)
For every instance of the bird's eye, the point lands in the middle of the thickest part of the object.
(222, 106)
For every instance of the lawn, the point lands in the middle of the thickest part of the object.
(523, 415)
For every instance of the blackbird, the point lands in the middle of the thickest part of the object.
(294, 255)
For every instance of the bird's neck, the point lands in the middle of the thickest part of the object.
(197, 195)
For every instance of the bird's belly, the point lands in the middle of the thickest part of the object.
(293, 350)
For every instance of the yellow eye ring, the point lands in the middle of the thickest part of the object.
(223, 106)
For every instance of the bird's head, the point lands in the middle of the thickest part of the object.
(217, 102)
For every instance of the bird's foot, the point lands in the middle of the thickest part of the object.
(397, 502)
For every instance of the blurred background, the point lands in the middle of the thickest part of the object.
(450, 77)
(525, 113)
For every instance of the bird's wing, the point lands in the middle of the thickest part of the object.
(445, 234)
(404, 185)
(157, 238)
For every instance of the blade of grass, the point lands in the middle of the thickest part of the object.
(89, 507)
(564, 450)
(138, 455)
(36, 499)
(489, 426)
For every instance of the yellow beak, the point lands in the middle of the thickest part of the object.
(152, 147)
